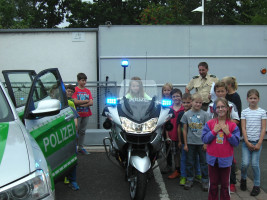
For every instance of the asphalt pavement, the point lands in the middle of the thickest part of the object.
(99, 179)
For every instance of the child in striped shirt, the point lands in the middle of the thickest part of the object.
(253, 123)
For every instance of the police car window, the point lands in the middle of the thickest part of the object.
(21, 85)
(6, 114)
(48, 87)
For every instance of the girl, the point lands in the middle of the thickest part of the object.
(166, 94)
(166, 91)
(253, 123)
(233, 97)
(221, 135)
(136, 89)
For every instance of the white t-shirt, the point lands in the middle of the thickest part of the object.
(233, 113)
(253, 122)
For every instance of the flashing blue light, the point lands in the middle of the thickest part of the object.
(112, 101)
(124, 63)
(21, 98)
(166, 102)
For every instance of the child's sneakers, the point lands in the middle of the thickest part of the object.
(188, 185)
(182, 181)
(232, 188)
(66, 180)
(198, 178)
(175, 174)
(83, 151)
(205, 186)
(243, 184)
(255, 191)
(74, 186)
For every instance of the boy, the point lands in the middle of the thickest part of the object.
(71, 178)
(82, 99)
(70, 89)
(187, 103)
(220, 89)
(193, 122)
(177, 106)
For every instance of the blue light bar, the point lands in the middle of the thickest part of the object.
(111, 101)
(124, 63)
(166, 102)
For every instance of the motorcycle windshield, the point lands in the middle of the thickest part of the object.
(138, 99)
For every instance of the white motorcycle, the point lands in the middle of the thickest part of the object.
(136, 132)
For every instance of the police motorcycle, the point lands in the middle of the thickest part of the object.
(136, 133)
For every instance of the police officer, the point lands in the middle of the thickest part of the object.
(202, 83)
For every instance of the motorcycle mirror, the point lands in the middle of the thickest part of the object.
(168, 126)
(107, 124)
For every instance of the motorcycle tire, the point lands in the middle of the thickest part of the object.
(138, 185)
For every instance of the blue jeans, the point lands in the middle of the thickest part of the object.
(193, 151)
(183, 164)
(72, 174)
(254, 157)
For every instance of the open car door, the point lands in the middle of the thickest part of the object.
(18, 84)
(47, 117)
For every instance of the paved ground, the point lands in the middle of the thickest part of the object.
(100, 180)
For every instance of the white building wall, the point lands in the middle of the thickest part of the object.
(172, 53)
(70, 51)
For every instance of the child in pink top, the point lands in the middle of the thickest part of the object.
(221, 135)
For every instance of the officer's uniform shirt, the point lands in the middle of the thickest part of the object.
(202, 85)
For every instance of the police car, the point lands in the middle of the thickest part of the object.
(37, 134)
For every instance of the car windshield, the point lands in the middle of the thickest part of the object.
(138, 98)
(6, 114)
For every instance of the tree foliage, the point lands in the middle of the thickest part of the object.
(79, 14)
(31, 13)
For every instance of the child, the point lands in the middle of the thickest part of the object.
(166, 94)
(193, 121)
(253, 122)
(221, 135)
(71, 179)
(136, 89)
(220, 90)
(172, 136)
(187, 103)
(70, 89)
(166, 91)
(233, 96)
(82, 99)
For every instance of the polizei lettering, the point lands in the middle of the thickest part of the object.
(58, 137)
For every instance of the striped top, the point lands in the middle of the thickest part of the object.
(253, 122)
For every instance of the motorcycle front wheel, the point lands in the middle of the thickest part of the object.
(138, 185)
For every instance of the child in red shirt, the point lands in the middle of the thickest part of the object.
(83, 100)
(172, 136)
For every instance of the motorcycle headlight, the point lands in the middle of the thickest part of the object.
(144, 128)
(31, 187)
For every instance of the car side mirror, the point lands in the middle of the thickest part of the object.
(45, 108)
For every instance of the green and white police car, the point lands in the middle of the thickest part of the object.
(37, 135)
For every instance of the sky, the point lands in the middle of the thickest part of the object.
(65, 23)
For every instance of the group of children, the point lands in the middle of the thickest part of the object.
(79, 99)
(202, 142)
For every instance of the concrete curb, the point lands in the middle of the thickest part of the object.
(97, 149)
(246, 194)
